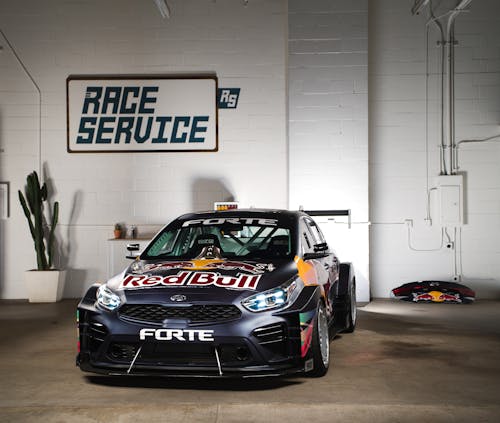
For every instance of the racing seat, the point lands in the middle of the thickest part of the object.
(279, 246)
(206, 245)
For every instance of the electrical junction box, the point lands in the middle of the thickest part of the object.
(451, 199)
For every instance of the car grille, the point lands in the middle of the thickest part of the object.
(122, 352)
(179, 354)
(273, 338)
(162, 354)
(157, 313)
(96, 334)
(97, 331)
(270, 334)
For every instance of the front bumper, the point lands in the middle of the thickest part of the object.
(212, 371)
(256, 344)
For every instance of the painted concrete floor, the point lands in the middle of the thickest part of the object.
(405, 363)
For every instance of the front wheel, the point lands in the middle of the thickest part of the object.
(320, 344)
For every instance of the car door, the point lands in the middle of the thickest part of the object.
(317, 253)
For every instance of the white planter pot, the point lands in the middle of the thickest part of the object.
(44, 286)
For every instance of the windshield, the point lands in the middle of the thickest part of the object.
(222, 238)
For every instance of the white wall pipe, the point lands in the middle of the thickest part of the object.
(494, 138)
(450, 35)
(447, 42)
(441, 43)
(28, 74)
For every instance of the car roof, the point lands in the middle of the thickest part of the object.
(264, 213)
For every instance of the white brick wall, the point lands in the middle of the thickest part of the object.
(328, 120)
(397, 146)
(244, 46)
(328, 82)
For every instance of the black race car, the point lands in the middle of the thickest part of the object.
(233, 293)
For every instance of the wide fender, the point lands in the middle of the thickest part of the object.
(346, 278)
(90, 296)
(308, 300)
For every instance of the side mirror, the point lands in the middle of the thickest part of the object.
(321, 247)
(132, 248)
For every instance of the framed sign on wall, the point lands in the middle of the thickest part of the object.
(141, 114)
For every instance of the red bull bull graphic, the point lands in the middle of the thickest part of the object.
(209, 264)
(437, 297)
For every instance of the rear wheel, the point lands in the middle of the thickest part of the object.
(351, 310)
(320, 344)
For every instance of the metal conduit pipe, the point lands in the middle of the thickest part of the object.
(451, 90)
(442, 148)
(494, 138)
(447, 43)
(418, 6)
(39, 92)
(450, 35)
(441, 43)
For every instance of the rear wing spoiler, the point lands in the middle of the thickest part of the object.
(331, 213)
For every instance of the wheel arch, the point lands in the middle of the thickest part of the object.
(346, 278)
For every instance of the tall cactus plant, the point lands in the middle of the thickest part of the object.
(32, 206)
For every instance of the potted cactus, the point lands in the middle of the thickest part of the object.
(44, 284)
(118, 231)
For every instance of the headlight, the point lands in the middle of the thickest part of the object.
(137, 267)
(107, 299)
(281, 297)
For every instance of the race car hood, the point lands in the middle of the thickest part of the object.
(220, 280)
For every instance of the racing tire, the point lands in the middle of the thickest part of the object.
(351, 310)
(320, 345)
